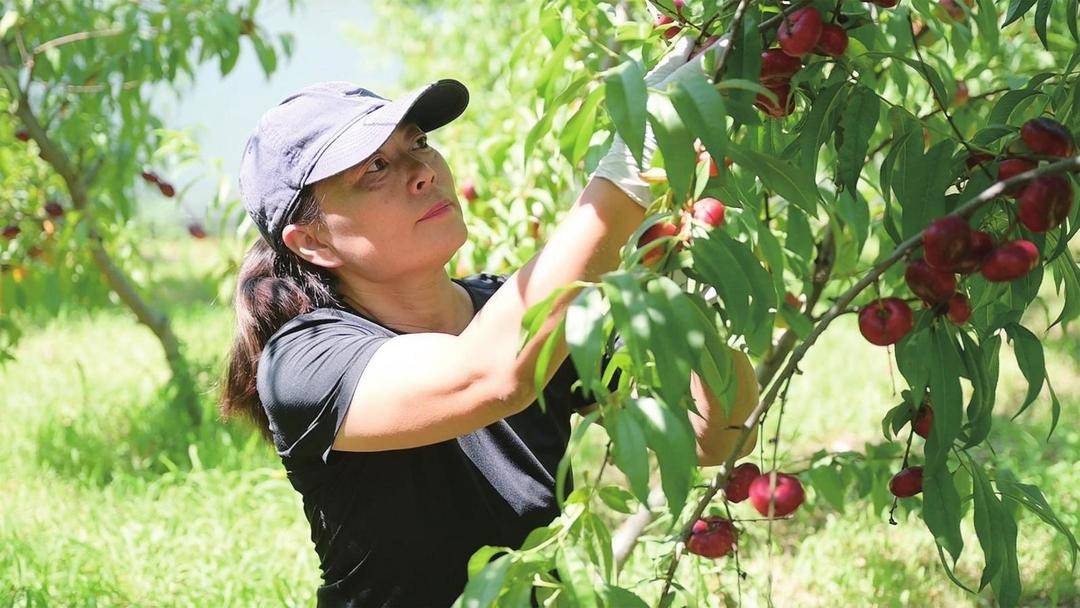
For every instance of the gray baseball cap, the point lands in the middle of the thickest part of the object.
(322, 130)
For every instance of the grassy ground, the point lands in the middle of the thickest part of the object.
(110, 498)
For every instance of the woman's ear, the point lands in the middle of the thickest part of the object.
(309, 243)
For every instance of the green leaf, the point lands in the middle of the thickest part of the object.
(596, 539)
(988, 513)
(628, 451)
(574, 571)
(1032, 499)
(1042, 15)
(576, 136)
(1017, 8)
(671, 436)
(820, 122)
(779, 176)
(616, 498)
(941, 509)
(1029, 356)
(946, 397)
(702, 110)
(617, 597)
(626, 98)
(669, 346)
(1071, 18)
(675, 144)
(543, 125)
(827, 481)
(585, 333)
(482, 589)
(858, 121)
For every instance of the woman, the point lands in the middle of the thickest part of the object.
(396, 397)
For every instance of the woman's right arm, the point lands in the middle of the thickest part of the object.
(420, 389)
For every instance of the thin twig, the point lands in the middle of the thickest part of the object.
(55, 42)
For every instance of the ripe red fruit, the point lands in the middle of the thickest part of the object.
(787, 497)
(1010, 261)
(953, 9)
(1045, 202)
(150, 177)
(1011, 167)
(778, 67)
(959, 309)
(1047, 136)
(833, 41)
(22, 135)
(907, 482)
(977, 159)
(656, 231)
(468, 190)
(196, 230)
(710, 211)
(712, 536)
(800, 31)
(53, 209)
(930, 284)
(11, 231)
(679, 4)
(166, 189)
(946, 241)
(885, 321)
(924, 418)
(663, 21)
(981, 246)
(782, 107)
(738, 485)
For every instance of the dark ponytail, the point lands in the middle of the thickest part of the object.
(271, 289)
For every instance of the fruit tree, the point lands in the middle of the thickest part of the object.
(910, 162)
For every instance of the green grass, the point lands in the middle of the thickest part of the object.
(112, 498)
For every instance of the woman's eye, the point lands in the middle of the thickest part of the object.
(375, 163)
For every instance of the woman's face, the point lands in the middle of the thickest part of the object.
(373, 212)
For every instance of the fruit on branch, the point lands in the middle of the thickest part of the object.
(800, 31)
(1047, 136)
(11, 231)
(777, 66)
(53, 209)
(959, 309)
(787, 496)
(885, 321)
(468, 190)
(150, 177)
(712, 536)
(1011, 167)
(738, 485)
(833, 41)
(782, 107)
(907, 482)
(665, 21)
(679, 5)
(946, 242)
(656, 231)
(22, 135)
(930, 284)
(709, 211)
(1045, 202)
(978, 158)
(1010, 261)
(951, 10)
(924, 419)
(196, 230)
(166, 189)
(962, 94)
(981, 246)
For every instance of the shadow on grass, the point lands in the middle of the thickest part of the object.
(144, 440)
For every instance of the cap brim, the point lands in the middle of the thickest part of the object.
(430, 106)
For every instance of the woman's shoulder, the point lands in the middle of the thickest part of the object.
(328, 321)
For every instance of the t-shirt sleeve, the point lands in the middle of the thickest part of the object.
(307, 373)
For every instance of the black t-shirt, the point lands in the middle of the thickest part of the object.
(397, 527)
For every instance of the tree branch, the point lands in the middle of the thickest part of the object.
(838, 308)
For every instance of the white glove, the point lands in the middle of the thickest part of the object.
(618, 166)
